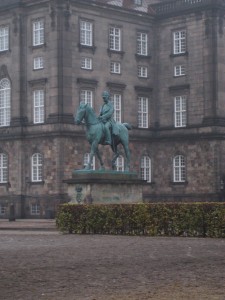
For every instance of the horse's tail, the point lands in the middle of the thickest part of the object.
(128, 126)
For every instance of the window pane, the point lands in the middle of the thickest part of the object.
(86, 33)
(5, 102)
(38, 32)
(4, 38)
(38, 98)
(37, 167)
(86, 96)
(143, 112)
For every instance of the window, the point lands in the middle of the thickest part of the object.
(87, 97)
(38, 63)
(86, 160)
(5, 102)
(138, 2)
(115, 39)
(115, 67)
(38, 98)
(179, 169)
(4, 38)
(86, 63)
(2, 209)
(120, 163)
(179, 42)
(180, 111)
(38, 32)
(179, 70)
(146, 168)
(142, 71)
(86, 35)
(116, 100)
(142, 43)
(3, 168)
(142, 112)
(35, 209)
(37, 167)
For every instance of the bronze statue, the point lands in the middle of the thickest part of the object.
(104, 130)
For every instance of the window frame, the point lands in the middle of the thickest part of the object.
(84, 63)
(180, 111)
(119, 163)
(146, 168)
(86, 159)
(3, 209)
(117, 104)
(115, 38)
(179, 42)
(38, 63)
(4, 167)
(142, 71)
(37, 167)
(36, 211)
(115, 67)
(4, 38)
(142, 43)
(179, 169)
(38, 106)
(143, 112)
(38, 34)
(179, 70)
(86, 34)
(86, 95)
(5, 102)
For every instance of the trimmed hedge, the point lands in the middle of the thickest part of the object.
(163, 219)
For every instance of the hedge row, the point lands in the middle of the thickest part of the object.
(173, 219)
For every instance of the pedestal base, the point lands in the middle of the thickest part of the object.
(105, 187)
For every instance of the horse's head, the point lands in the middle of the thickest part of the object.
(80, 113)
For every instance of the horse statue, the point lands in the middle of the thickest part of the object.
(96, 136)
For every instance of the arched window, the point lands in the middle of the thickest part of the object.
(37, 167)
(146, 168)
(5, 102)
(179, 169)
(120, 163)
(86, 160)
(3, 168)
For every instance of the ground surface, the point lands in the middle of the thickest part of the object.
(49, 265)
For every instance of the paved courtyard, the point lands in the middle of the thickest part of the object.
(49, 265)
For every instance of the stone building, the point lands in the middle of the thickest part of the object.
(164, 65)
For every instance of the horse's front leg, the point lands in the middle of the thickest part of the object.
(94, 147)
(127, 152)
(100, 159)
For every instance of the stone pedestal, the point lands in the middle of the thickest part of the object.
(105, 187)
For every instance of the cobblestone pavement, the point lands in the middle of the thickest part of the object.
(49, 265)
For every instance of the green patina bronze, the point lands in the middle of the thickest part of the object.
(103, 130)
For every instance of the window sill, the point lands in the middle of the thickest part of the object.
(142, 57)
(86, 47)
(36, 182)
(179, 183)
(33, 47)
(111, 51)
(179, 54)
(3, 52)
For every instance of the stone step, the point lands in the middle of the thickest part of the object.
(28, 225)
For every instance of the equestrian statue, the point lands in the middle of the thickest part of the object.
(104, 130)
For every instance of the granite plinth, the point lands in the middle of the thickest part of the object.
(104, 187)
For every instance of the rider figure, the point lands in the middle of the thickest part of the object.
(106, 116)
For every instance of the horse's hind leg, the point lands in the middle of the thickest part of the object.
(100, 160)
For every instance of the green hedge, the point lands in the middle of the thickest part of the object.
(163, 219)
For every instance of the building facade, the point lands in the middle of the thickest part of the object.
(164, 65)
